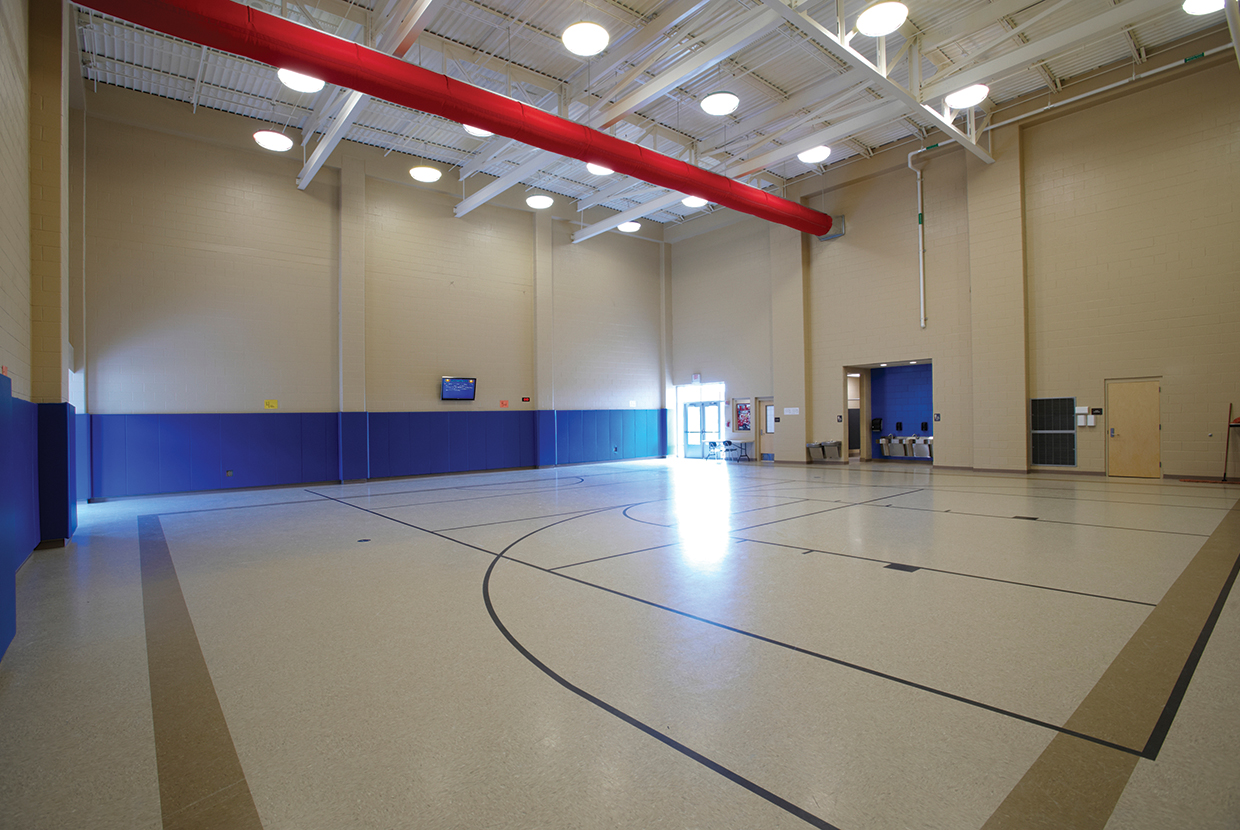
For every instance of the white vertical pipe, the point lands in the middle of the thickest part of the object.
(921, 233)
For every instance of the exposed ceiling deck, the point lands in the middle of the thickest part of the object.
(798, 82)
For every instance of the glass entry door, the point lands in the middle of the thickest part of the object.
(703, 424)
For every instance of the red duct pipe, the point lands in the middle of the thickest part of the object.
(241, 30)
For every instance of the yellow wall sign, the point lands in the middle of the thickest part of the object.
(271, 404)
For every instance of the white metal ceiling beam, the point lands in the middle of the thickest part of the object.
(975, 22)
(626, 216)
(407, 17)
(852, 113)
(348, 114)
(498, 147)
(668, 18)
(886, 112)
(1111, 21)
(509, 179)
(888, 88)
(756, 24)
(626, 187)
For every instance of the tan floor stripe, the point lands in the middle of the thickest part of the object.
(1075, 783)
(201, 783)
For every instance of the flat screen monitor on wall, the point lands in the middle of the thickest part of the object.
(457, 389)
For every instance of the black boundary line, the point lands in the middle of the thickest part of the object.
(1070, 498)
(802, 548)
(514, 521)
(580, 480)
(612, 556)
(713, 766)
(1154, 745)
(737, 513)
(463, 499)
(1044, 520)
(828, 510)
(241, 507)
(836, 660)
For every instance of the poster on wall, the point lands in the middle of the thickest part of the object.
(743, 419)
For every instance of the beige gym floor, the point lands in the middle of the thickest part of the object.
(653, 644)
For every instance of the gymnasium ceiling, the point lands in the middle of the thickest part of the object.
(798, 85)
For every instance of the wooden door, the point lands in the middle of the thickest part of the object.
(766, 429)
(1133, 429)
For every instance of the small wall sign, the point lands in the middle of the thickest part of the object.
(271, 404)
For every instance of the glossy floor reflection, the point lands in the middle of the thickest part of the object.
(647, 644)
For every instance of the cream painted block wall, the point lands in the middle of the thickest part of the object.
(446, 296)
(1133, 259)
(864, 305)
(14, 197)
(607, 312)
(211, 280)
(721, 309)
(997, 281)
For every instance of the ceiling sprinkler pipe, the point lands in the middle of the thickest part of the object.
(241, 30)
(921, 231)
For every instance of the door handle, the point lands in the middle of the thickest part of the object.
(1113, 432)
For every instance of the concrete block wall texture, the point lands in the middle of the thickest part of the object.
(15, 335)
(1133, 259)
(864, 307)
(607, 311)
(721, 309)
(50, 358)
(997, 284)
(446, 296)
(211, 280)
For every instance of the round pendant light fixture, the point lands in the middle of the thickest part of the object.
(721, 103)
(271, 140)
(1202, 6)
(477, 132)
(694, 202)
(298, 82)
(585, 39)
(540, 202)
(629, 227)
(968, 97)
(814, 155)
(598, 169)
(425, 174)
(882, 18)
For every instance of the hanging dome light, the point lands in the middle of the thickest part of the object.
(629, 227)
(540, 202)
(598, 169)
(814, 155)
(298, 82)
(425, 174)
(694, 202)
(882, 18)
(721, 103)
(585, 39)
(477, 132)
(271, 140)
(1202, 6)
(968, 97)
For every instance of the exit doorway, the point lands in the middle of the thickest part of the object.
(700, 411)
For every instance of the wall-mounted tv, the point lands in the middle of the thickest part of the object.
(457, 389)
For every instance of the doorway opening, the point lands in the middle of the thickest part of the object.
(700, 410)
(766, 429)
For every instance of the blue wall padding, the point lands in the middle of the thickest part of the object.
(81, 454)
(142, 454)
(901, 394)
(19, 499)
(545, 438)
(57, 478)
(354, 439)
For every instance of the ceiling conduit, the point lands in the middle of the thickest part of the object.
(241, 30)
